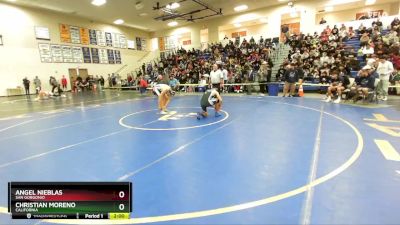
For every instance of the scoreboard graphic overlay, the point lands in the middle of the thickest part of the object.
(71, 200)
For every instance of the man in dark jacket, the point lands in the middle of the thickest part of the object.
(365, 83)
(291, 76)
(26, 85)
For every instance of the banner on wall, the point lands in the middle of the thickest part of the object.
(45, 53)
(85, 39)
(77, 55)
(239, 34)
(101, 39)
(110, 54)
(109, 40)
(75, 35)
(187, 42)
(67, 54)
(369, 15)
(86, 55)
(117, 55)
(138, 43)
(161, 43)
(95, 55)
(103, 56)
(65, 34)
(56, 53)
(42, 33)
(144, 46)
(122, 41)
(93, 37)
(131, 44)
(116, 41)
(171, 42)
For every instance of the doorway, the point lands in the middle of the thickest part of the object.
(73, 74)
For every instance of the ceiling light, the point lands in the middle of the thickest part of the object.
(328, 8)
(340, 2)
(240, 8)
(370, 2)
(143, 14)
(99, 2)
(172, 24)
(119, 21)
(264, 20)
(174, 5)
(237, 25)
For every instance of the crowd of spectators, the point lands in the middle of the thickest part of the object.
(248, 62)
(320, 57)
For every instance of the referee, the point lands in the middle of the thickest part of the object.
(216, 78)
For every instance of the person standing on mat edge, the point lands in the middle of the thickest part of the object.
(64, 83)
(384, 69)
(164, 93)
(211, 98)
(38, 84)
(291, 76)
(216, 78)
(53, 83)
(225, 76)
(26, 85)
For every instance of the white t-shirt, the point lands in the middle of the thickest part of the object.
(371, 62)
(384, 70)
(158, 88)
(216, 76)
(368, 51)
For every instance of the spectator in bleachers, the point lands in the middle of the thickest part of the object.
(396, 80)
(391, 37)
(378, 24)
(174, 83)
(335, 30)
(395, 59)
(343, 33)
(361, 28)
(380, 49)
(364, 39)
(367, 50)
(327, 30)
(372, 60)
(395, 25)
(384, 69)
(281, 72)
(263, 77)
(351, 33)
